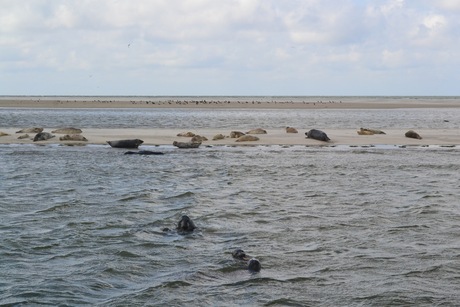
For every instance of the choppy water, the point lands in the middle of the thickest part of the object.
(332, 226)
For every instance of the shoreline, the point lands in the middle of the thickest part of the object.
(158, 137)
(232, 102)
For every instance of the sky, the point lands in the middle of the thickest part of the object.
(230, 47)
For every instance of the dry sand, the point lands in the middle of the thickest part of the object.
(446, 137)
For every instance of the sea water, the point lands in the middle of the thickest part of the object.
(356, 226)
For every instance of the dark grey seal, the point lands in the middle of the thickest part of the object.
(412, 134)
(43, 136)
(185, 225)
(317, 135)
(125, 143)
(143, 152)
(253, 264)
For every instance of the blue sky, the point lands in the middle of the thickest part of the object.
(229, 47)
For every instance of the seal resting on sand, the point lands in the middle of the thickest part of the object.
(24, 136)
(186, 144)
(69, 130)
(185, 224)
(186, 134)
(30, 130)
(73, 137)
(218, 137)
(317, 135)
(365, 132)
(43, 136)
(291, 130)
(247, 138)
(125, 143)
(412, 134)
(198, 139)
(143, 152)
(3, 133)
(236, 134)
(257, 131)
(253, 263)
(370, 131)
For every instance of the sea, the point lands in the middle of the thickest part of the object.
(330, 225)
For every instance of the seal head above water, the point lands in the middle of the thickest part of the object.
(185, 224)
(253, 264)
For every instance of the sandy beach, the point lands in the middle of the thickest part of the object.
(442, 137)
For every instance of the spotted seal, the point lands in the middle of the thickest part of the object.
(134, 143)
(43, 136)
(247, 138)
(253, 264)
(317, 135)
(257, 131)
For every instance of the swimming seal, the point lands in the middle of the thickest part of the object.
(125, 143)
(253, 263)
(412, 134)
(143, 152)
(317, 135)
(185, 225)
(43, 136)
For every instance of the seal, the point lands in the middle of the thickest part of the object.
(412, 134)
(30, 130)
(186, 134)
(198, 139)
(373, 131)
(3, 133)
(73, 137)
(186, 144)
(185, 225)
(317, 135)
(218, 137)
(143, 152)
(43, 136)
(24, 136)
(253, 264)
(291, 130)
(125, 143)
(236, 134)
(68, 130)
(247, 138)
(257, 131)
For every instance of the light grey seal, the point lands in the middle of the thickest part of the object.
(68, 130)
(247, 138)
(412, 134)
(317, 135)
(43, 136)
(73, 137)
(253, 264)
(30, 130)
(257, 131)
(186, 144)
(125, 143)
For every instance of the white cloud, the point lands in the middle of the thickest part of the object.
(256, 40)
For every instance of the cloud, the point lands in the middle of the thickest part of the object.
(252, 45)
